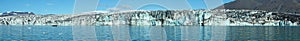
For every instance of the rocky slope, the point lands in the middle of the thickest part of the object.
(290, 6)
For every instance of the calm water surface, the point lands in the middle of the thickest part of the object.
(149, 33)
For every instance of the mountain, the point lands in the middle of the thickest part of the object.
(290, 6)
(13, 13)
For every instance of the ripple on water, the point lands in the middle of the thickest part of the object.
(144, 33)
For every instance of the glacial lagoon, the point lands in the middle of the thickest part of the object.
(148, 33)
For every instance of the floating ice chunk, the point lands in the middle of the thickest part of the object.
(29, 27)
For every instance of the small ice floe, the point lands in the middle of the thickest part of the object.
(60, 33)
(29, 27)
(44, 32)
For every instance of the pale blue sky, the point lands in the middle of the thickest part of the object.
(66, 6)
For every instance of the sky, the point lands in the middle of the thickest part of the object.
(66, 6)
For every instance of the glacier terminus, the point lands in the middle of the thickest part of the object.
(218, 17)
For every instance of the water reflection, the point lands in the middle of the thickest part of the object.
(148, 33)
(35, 33)
(264, 33)
(86, 33)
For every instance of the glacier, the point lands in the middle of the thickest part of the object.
(218, 17)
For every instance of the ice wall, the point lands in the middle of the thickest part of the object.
(161, 17)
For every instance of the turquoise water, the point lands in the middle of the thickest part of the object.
(149, 33)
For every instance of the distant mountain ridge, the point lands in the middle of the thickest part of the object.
(13, 13)
(290, 6)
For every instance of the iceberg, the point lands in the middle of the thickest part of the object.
(220, 17)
